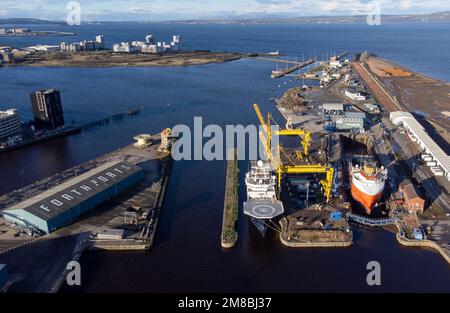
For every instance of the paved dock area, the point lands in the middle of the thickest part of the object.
(312, 227)
(440, 233)
(44, 258)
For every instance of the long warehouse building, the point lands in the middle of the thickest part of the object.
(59, 206)
(429, 146)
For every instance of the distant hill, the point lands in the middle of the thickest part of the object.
(441, 17)
(26, 21)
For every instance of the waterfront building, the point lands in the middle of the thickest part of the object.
(47, 109)
(85, 45)
(149, 49)
(100, 41)
(10, 126)
(59, 206)
(126, 47)
(6, 57)
(5, 31)
(149, 39)
(148, 46)
(355, 95)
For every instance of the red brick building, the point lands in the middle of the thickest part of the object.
(413, 202)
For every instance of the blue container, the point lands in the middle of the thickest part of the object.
(335, 216)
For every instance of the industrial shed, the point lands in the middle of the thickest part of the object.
(351, 121)
(417, 132)
(59, 206)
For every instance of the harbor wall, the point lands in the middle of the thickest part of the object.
(423, 244)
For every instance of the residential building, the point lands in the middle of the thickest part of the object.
(10, 126)
(47, 109)
(85, 45)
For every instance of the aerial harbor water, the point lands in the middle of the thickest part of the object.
(186, 256)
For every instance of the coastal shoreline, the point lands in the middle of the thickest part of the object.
(111, 59)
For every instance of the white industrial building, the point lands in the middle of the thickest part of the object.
(419, 135)
(351, 121)
(355, 95)
(333, 106)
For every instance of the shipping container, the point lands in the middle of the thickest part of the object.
(431, 163)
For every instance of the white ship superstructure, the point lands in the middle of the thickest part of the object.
(262, 203)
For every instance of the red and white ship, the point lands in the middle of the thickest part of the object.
(367, 184)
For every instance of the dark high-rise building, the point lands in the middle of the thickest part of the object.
(47, 108)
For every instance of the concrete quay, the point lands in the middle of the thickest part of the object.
(229, 235)
(44, 259)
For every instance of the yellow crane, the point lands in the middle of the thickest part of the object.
(293, 169)
(304, 135)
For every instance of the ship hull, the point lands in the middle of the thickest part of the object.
(368, 201)
(260, 225)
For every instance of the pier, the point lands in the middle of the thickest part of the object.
(288, 70)
(230, 207)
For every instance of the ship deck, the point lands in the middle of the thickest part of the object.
(263, 208)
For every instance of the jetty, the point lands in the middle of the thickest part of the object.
(229, 234)
(293, 68)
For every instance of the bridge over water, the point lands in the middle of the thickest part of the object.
(373, 222)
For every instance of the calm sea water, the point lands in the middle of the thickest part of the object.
(187, 255)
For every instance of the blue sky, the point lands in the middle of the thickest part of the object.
(192, 9)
